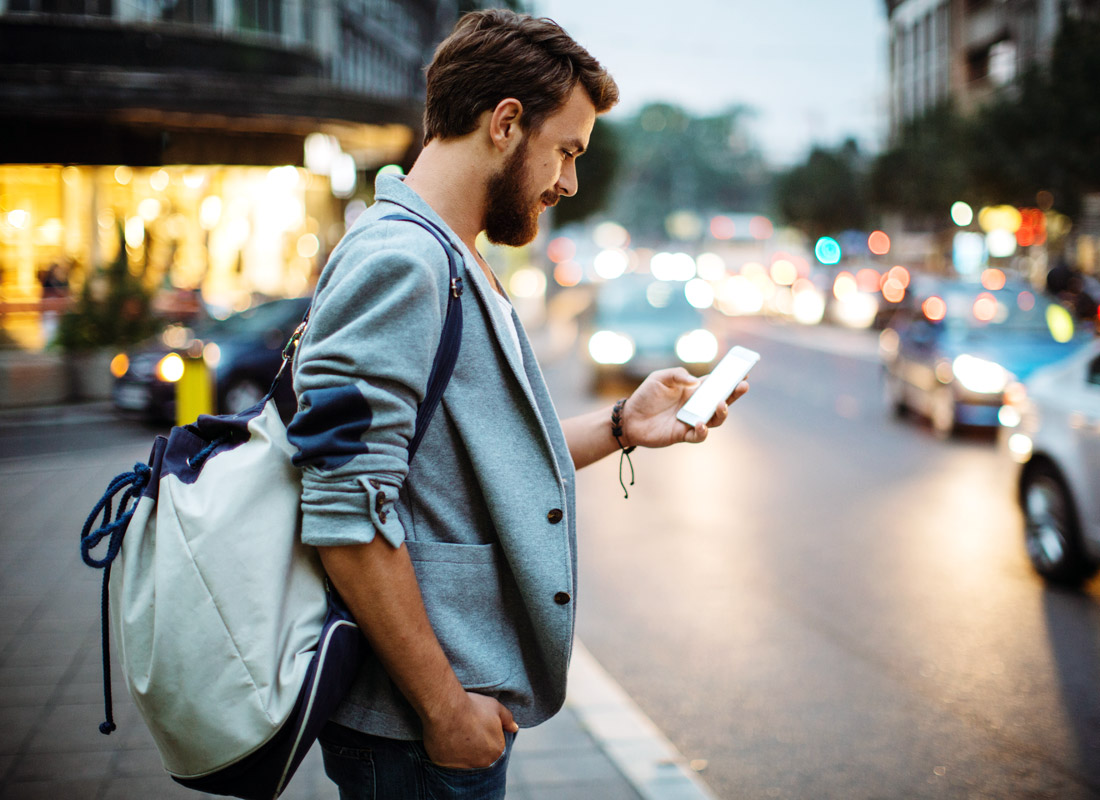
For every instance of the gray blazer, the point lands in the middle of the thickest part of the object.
(486, 509)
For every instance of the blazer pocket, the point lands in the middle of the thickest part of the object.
(463, 594)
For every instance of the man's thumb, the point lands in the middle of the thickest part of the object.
(507, 721)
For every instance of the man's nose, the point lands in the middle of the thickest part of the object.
(568, 183)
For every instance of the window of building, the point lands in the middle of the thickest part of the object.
(260, 15)
(199, 12)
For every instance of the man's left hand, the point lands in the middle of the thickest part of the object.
(649, 415)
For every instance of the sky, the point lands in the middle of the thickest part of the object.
(813, 71)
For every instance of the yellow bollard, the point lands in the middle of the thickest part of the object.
(194, 391)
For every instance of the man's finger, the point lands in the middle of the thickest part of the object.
(507, 721)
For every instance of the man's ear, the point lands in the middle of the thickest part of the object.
(504, 129)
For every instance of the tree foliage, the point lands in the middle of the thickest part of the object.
(671, 160)
(826, 194)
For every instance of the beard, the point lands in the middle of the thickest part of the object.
(511, 216)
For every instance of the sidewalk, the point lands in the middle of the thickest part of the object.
(600, 747)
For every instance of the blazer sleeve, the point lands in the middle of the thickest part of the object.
(361, 372)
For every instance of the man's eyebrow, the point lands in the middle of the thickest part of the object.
(575, 146)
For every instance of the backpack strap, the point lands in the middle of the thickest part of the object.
(450, 339)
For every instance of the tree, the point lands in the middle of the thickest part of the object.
(827, 193)
(670, 160)
(928, 168)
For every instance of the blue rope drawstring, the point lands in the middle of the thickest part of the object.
(113, 530)
(196, 461)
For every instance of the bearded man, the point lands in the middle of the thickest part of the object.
(459, 568)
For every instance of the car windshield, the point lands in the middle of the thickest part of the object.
(255, 321)
(640, 301)
(967, 314)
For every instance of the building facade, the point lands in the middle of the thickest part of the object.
(966, 49)
(215, 144)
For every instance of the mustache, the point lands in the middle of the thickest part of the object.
(551, 198)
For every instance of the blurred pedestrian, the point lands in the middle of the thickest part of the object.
(54, 281)
(461, 569)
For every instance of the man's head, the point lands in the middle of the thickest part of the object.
(496, 54)
(535, 93)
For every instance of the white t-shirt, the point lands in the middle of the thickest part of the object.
(506, 311)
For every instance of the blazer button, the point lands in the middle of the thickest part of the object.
(554, 516)
(561, 598)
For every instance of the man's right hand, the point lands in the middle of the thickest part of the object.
(471, 736)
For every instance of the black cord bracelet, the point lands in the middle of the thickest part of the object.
(624, 452)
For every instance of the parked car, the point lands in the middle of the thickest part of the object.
(949, 355)
(243, 352)
(1051, 427)
(639, 324)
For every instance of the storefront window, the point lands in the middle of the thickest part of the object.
(233, 235)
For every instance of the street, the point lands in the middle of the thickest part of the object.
(823, 601)
(820, 601)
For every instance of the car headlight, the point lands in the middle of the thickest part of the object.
(697, 347)
(170, 368)
(980, 376)
(608, 347)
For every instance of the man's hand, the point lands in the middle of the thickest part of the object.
(470, 736)
(649, 416)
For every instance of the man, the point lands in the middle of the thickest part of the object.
(459, 568)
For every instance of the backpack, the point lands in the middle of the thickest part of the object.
(235, 648)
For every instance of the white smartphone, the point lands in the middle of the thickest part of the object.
(718, 385)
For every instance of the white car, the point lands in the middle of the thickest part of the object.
(1051, 427)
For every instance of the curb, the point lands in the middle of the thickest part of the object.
(60, 414)
(649, 761)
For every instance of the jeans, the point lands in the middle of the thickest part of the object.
(367, 767)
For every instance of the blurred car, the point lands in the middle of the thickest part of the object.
(1051, 427)
(950, 355)
(640, 324)
(243, 351)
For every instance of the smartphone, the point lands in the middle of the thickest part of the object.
(718, 385)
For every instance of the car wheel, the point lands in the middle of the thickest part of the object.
(944, 423)
(241, 395)
(1051, 533)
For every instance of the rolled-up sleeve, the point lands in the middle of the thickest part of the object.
(360, 374)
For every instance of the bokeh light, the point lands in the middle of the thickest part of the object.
(722, 227)
(934, 308)
(699, 293)
(993, 279)
(568, 273)
(827, 250)
(878, 243)
(561, 249)
(761, 228)
(985, 307)
(961, 214)
(783, 272)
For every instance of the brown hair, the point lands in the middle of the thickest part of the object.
(495, 54)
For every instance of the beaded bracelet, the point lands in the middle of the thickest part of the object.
(624, 452)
